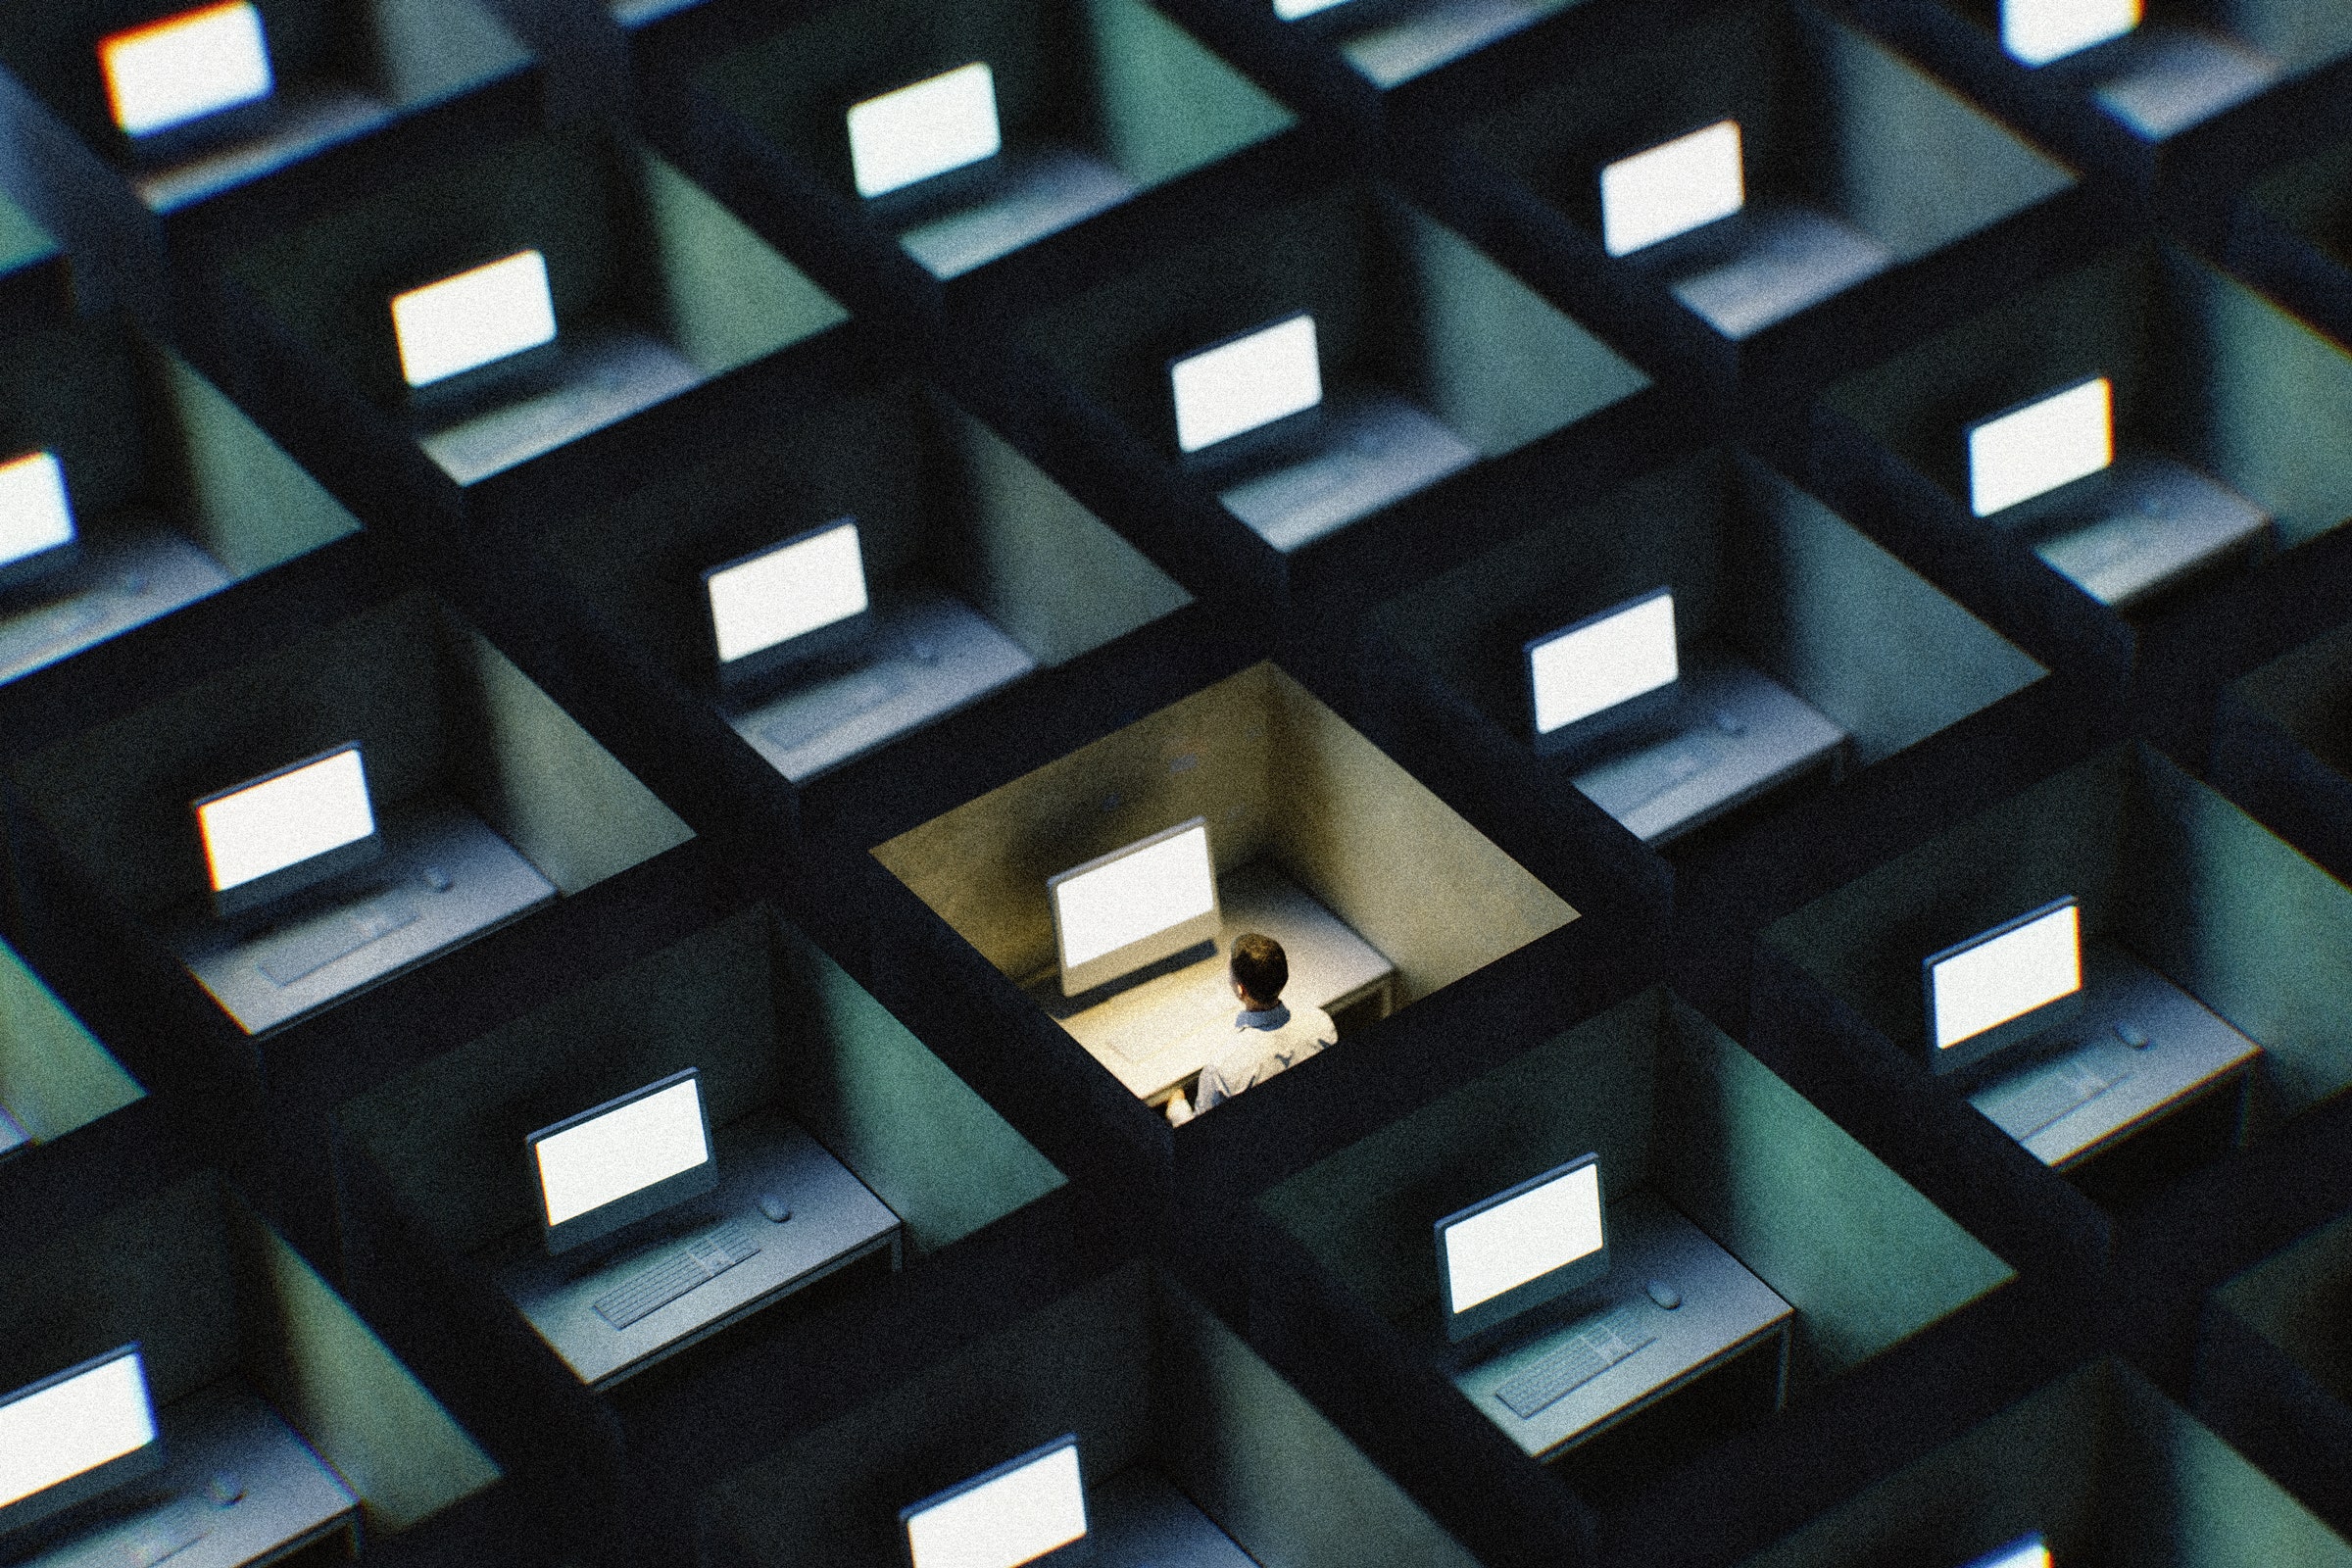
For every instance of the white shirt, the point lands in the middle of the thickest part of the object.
(1249, 1050)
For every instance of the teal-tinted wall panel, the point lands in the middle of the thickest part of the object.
(54, 1074)
(1166, 105)
(2300, 1300)
(249, 505)
(726, 297)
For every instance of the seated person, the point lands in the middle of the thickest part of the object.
(1264, 1038)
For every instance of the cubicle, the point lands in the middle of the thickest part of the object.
(2235, 394)
(2288, 235)
(285, 1420)
(441, 1229)
(2225, 932)
(1684, 1121)
(1180, 1427)
(2101, 1464)
(2273, 1374)
(2279, 748)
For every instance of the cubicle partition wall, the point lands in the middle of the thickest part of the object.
(2288, 237)
(2279, 749)
(2206, 375)
(442, 1199)
(1345, 1294)
(2273, 1378)
(35, 285)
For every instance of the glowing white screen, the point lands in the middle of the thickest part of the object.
(1610, 661)
(73, 1426)
(2040, 447)
(1016, 1517)
(1250, 381)
(285, 820)
(644, 1142)
(2038, 31)
(2008, 977)
(1672, 188)
(788, 592)
(942, 123)
(480, 315)
(1293, 10)
(2027, 1553)
(35, 514)
(184, 67)
(1135, 896)
(1503, 1248)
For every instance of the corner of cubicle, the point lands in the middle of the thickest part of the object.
(2278, 748)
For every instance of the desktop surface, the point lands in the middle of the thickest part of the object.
(2066, 1109)
(298, 122)
(2140, 526)
(129, 572)
(1399, 47)
(1150, 1031)
(600, 375)
(1723, 1310)
(445, 878)
(1029, 195)
(1366, 450)
(834, 1221)
(219, 1442)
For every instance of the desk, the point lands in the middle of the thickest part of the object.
(835, 1221)
(290, 1498)
(2189, 1051)
(1141, 1031)
(132, 571)
(1725, 1311)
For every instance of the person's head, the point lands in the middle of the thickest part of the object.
(1260, 970)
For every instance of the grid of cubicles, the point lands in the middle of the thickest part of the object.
(899, 308)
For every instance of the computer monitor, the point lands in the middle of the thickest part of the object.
(36, 521)
(2038, 31)
(1617, 667)
(1672, 188)
(1293, 10)
(287, 830)
(939, 123)
(2027, 1551)
(2038, 445)
(1018, 1512)
(788, 602)
(1525, 1245)
(623, 1162)
(185, 67)
(1135, 905)
(2018, 980)
(1245, 382)
(476, 316)
(76, 1434)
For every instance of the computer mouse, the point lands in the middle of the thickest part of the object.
(1665, 1294)
(132, 582)
(1728, 722)
(223, 1489)
(773, 1205)
(2133, 1035)
(436, 878)
(924, 652)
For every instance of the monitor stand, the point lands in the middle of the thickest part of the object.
(298, 122)
(127, 573)
(600, 374)
(444, 878)
(1033, 193)
(1368, 448)
(2145, 524)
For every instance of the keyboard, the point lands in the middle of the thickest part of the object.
(2026, 1106)
(1591, 1351)
(691, 1266)
(304, 948)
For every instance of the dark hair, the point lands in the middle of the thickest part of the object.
(1260, 965)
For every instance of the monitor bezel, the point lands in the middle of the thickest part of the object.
(730, 676)
(630, 1207)
(247, 896)
(1068, 1552)
(2027, 1026)
(1968, 432)
(48, 559)
(1150, 950)
(1243, 445)
(1645, 707)
(99, 1478)
(1544, 1288)
(915, 196)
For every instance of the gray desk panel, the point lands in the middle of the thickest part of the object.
(1141, 1032)
(306, 121)
(1372, 448)
(2137, 527)
(1135, 1519)
(835, 1220)
(2188, 1050)
(128, 575)
(1792, 258)
(490, 884)
(606, 375)
(933, 655)
(290, 1496)
(1048, 191)
(1436, 34)
(1724, 1311)
(2178, 77)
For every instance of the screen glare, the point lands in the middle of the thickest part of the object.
(1015, 1518)
(2038, 31)
(35, 514)
(54, 1435)
(788, 592)
(1293, 10)
(2041, 446)
(915, 132)
(478, 316)
(2030, 1552)
(1672, 188)
(1238, 386)
(285, 821)
(1134, 896)
(1597, 667)
(1503, 1248)
(2008, 976)
(645, 1141)
(185, 67)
